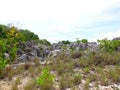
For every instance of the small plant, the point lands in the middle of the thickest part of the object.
(45, 80)
(60, 68)
(77, 79)
(65, 82)
(87, 69)
(15, 84)
(19, 69)
(92, 77)
(10, 74)
(3, 61)
(38, 70)
(36, 61)
(97, 85)
(2, 64)
(104, 80)
(31, 85)
(114, 75)
(31, 71)
(86, 86)
(76, 54)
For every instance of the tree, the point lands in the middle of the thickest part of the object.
(109, 45)
(3, 30)
(64, 42)
(84, 41)
(27, 35)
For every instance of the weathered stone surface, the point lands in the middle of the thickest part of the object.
(24, 57)
(117, 38)
(32, 50)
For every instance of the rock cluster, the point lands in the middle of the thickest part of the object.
(30, 50)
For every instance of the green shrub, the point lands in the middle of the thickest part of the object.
(86, 86)
(87, 69)
(3, 61)
(45, 80)
(109, 45)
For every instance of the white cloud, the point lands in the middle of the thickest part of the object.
(110, 35)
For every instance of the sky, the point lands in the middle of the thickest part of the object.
(57, 20)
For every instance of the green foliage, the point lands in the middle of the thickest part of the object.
(8, 45)
(77, 79)
(3, 30)
(86, 86)
(3, 63)
(83, 41)
(77, 40)
(45, 80)
(109, 45)
(87, 69)
(31, 85)
(64, 42)
(28, 35)
(65, 82)
(44, 41)
(10, 37)
(12, 32)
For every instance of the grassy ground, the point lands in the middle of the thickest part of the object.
(79, 69)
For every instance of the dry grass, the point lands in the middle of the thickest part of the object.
(92, 70)
(31, 85)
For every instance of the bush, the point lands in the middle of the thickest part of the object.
(45, 80)
(109, 45)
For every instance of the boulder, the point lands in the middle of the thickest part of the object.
(7, 56)
(93, 47)
(23, 57)
(46, 52)
(117, 38)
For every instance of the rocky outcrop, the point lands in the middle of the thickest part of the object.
(117, 38)
(30, 50)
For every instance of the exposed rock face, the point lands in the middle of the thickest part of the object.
(28, 53)
(55, 52)
(93, 46)
(46, 52)
(36, 50)
(30, 50)
(77, 47)
(117, 38)
(24, 57)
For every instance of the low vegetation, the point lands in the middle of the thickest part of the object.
(101, 67)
